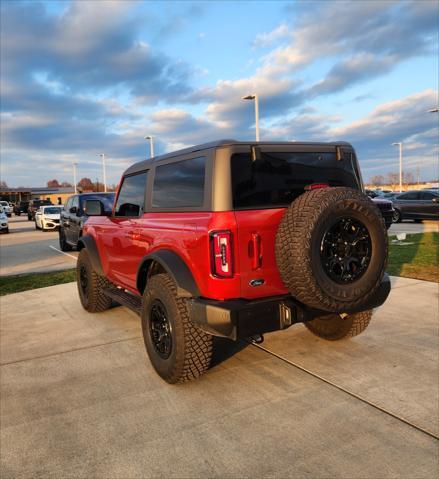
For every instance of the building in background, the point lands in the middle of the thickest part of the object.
(58, 196)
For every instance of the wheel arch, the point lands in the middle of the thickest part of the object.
(171, 263)
(89, 243)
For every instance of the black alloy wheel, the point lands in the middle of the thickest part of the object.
(346, 250)
(160, 329)
(83, 280)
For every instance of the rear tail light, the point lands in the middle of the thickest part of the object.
(222, 254)
(316, 186)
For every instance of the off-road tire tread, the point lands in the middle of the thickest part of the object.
(198, 345)
(98, 301)
(355, 324)
(293, 246)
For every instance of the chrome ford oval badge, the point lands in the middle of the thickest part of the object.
(256, 282)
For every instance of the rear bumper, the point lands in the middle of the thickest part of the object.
(238, 319)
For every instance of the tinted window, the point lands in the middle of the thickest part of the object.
(106, 199)
(276, 179)
(131, 200)
(412, 195)
(179, 184)
(428, 196)
(75, 202)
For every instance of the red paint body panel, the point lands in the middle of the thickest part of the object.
(123, 242)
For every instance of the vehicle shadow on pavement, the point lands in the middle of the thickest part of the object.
(224, 349)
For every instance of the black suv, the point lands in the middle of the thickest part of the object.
(74, 215)
(34, 205)
(21, 207)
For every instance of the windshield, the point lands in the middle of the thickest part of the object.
(4, 203)
(276, 179)
(53, 210)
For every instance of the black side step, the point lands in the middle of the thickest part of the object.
(125, 299)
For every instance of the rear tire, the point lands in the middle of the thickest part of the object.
(91, 285)
(333, 327)
(178, 350)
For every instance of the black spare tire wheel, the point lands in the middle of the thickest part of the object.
(331, 249)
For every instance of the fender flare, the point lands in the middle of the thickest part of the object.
(89, 243)
(175, 266)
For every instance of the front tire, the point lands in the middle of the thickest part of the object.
(178, 350)
(63, 242)
(397, 218)
(91, 285)
(334, 327)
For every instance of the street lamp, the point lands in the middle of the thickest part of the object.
(400, 164)
(255, 97)
(433, 110)
(74, 176)
(151, 145)
(104, 173)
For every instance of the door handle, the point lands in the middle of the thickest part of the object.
(256, 250)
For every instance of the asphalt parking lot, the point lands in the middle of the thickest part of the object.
(26, 250)
(80, 399)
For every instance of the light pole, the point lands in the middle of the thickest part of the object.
(74, 176)
(151, 145)
(104, 173)
(399, 143)
(255, 97)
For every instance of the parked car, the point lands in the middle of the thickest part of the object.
(48, 217)
(7, 209)
(236, 239)
(21, 207)
(416, 205)
(386, 208)
(34, 205)
(74, 215)
(390, 196)
(4, 227)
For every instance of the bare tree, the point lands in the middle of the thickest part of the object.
(377, 180)
(408, 177)
(53, 184)
(86, 184)
(3, 184)
(66, 184)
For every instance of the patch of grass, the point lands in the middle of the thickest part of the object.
(16, 284)
(419, 260)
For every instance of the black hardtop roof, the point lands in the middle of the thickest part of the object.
(143, 165)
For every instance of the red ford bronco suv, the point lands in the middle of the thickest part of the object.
(236, 239)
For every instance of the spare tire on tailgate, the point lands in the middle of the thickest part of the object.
(331, 249)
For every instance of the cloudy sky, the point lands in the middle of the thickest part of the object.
(79, 78)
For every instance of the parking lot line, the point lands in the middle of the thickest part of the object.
(62, 252)
(350, 393)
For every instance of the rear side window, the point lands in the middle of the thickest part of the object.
(179, 184)
(428, 196)
(413, 195)
(276, 179)
(131, 199)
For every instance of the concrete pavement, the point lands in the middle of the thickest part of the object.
(410, 227)
(27, 250)
(80, 399)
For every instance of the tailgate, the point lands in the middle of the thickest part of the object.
(255, 244)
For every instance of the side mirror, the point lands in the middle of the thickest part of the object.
(73, 210)
(94, 208)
